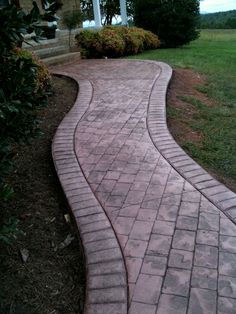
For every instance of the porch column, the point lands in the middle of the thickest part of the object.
(97, 13)
(123, 12)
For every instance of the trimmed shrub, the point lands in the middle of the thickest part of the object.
(135, 40)
(113, 45)
(151, 40)
(132, 39)
(90, 43)
(115, 41)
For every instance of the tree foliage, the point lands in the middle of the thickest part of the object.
(219, 20)
(174, 21)
(109, 9)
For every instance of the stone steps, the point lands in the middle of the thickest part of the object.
(54, 51)
(48, 52)
(62, 58)
(45, 43)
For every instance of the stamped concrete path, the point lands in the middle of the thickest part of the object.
(157, 230)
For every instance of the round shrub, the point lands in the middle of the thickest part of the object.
(90, 43)
(113, 44)
(116, 41)
(131, 43)
(138, 37)
(151, 41)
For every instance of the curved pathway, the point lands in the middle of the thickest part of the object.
(150, 218)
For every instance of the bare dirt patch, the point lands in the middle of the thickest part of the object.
(52, 280)
(184, 83)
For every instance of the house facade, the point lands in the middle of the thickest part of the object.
(62, 34)
(68, 5)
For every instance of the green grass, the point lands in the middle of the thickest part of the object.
(214, 55)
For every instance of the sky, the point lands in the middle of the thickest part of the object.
(210, 6)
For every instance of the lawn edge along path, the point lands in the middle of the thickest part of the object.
(216, 192)
(106, 276)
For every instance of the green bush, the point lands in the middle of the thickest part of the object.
(115, 41)
(24, 88)
(175, 22)
(25, 83)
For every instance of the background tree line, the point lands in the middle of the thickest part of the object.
(220, 20)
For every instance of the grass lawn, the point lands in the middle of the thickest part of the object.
(213, 55)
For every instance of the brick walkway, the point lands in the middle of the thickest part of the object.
(173, 221)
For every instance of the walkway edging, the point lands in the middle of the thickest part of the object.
(217, 193)
(106, 288)
(106, 273)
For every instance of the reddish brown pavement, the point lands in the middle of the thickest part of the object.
(176, 248)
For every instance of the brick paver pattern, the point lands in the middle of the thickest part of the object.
(179, 249)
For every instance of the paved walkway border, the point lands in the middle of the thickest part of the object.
(106, 290)
(106, 273)
(217, 193)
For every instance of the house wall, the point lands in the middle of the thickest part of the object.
(68, 5)
(27, 4)
(62, 34)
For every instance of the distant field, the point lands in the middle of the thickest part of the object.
(218, 35)
(214, 55)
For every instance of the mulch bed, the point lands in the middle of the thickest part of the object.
(52, 280)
